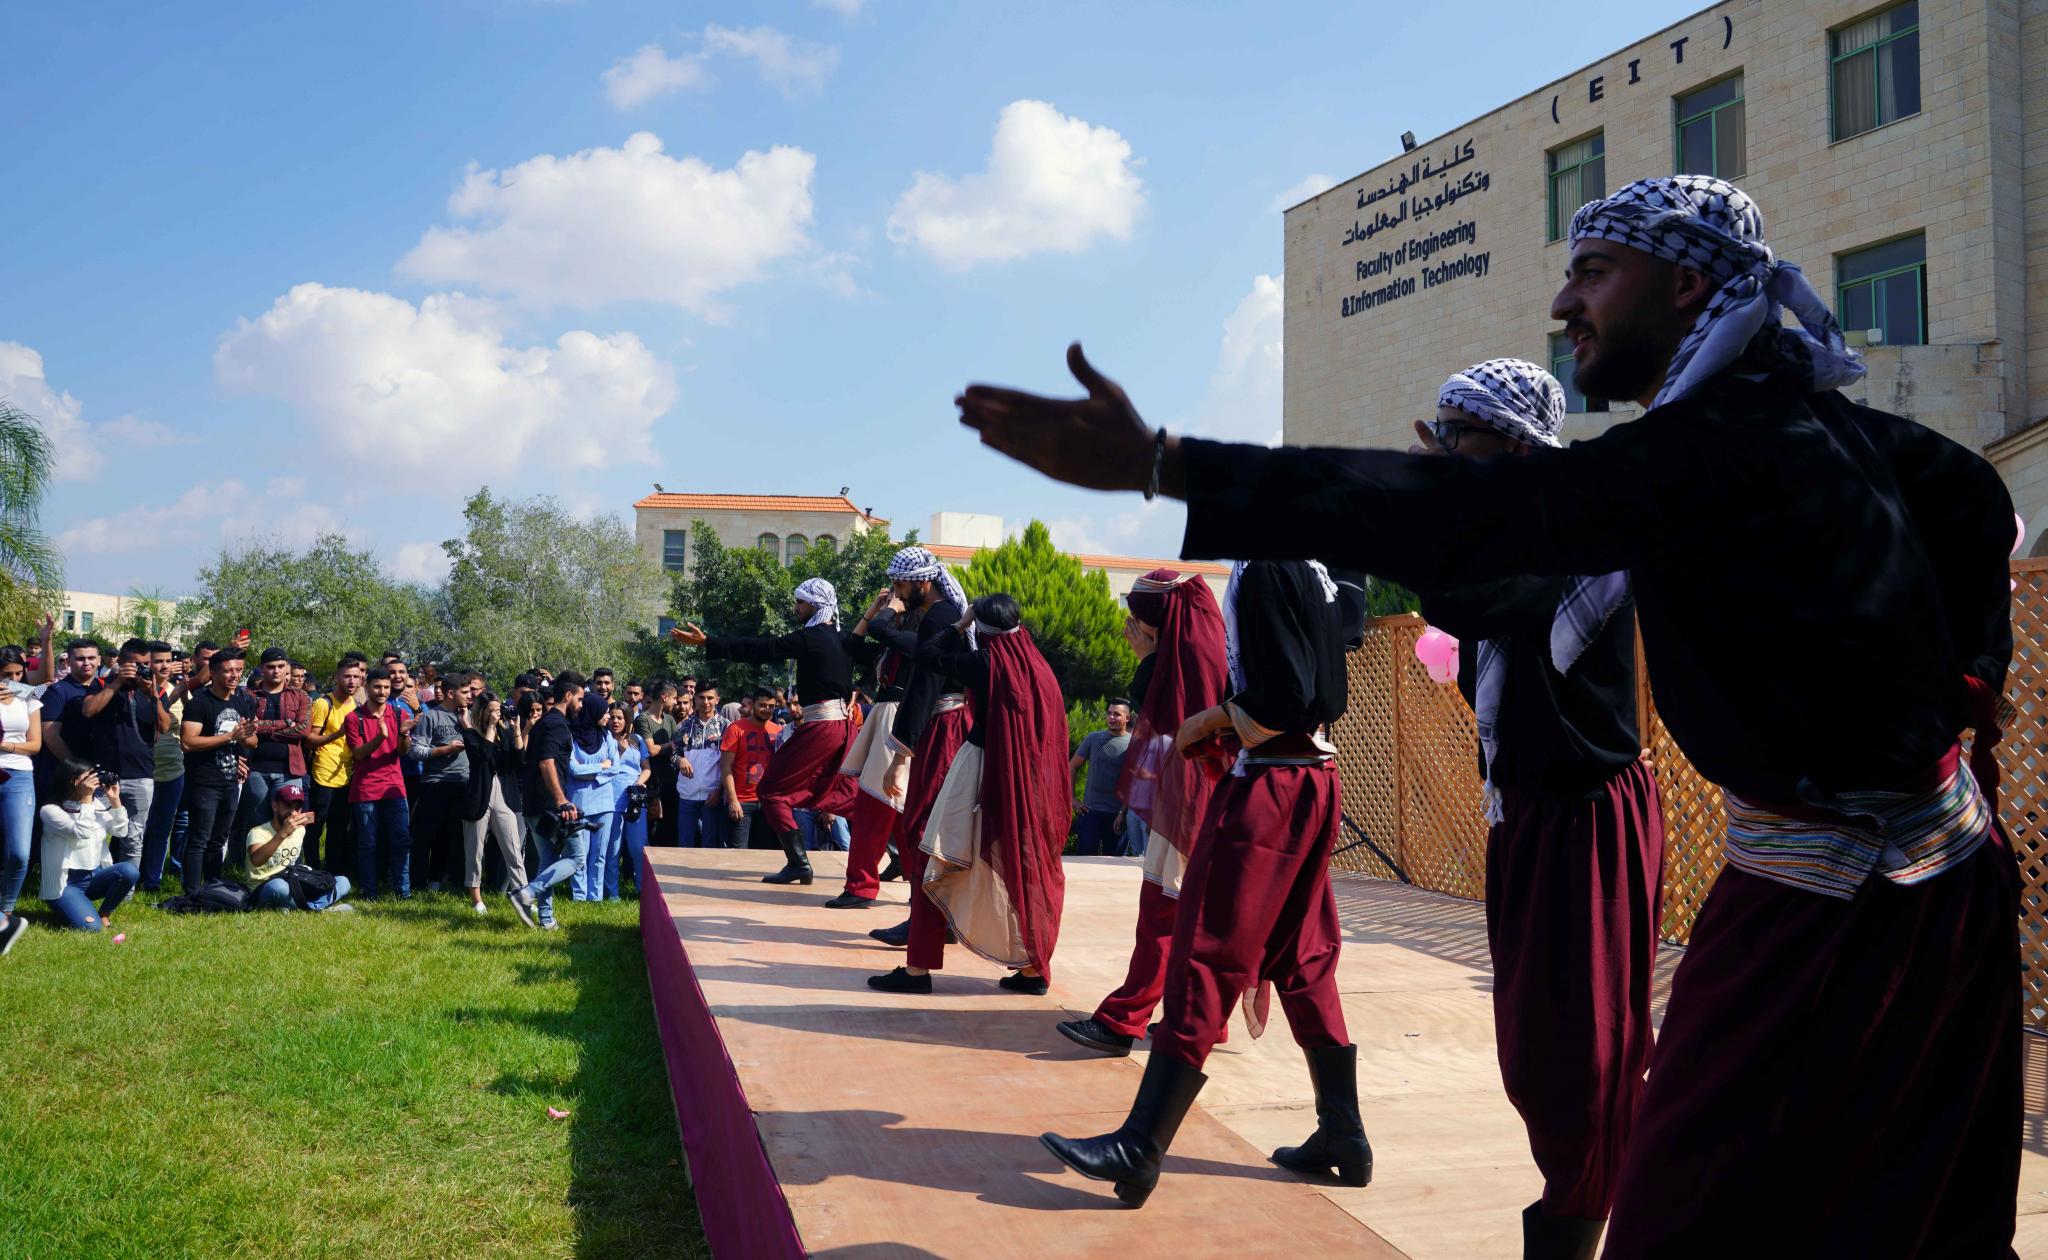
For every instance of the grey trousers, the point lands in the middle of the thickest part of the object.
(136, 794)
(504, 827)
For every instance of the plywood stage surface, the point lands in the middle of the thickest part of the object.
(908, 1126)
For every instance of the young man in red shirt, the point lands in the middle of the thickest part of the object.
(376, 733)
(745, 750)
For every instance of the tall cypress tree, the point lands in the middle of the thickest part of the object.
(1078, 624)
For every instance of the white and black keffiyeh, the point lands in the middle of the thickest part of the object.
(1713, 227)
(818, 593)
(1524, 402)
(915, 564)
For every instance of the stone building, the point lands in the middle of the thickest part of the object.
(1899, 153)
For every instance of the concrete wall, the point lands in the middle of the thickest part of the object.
(1964, 171)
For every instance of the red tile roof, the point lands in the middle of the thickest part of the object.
(957, 553)
(757, 503)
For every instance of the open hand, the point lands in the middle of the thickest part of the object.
(689, 634)
(1097, 442)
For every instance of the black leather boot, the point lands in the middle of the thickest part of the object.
(796, 865)
(1130, 1156)
(1558, 1237)
(1338, 1145)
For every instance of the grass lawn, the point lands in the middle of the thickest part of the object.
(374, 1084)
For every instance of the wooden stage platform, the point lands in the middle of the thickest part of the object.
(870, 1125)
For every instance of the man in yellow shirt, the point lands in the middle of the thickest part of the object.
(332, 813)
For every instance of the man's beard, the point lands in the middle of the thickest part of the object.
(1624, 363)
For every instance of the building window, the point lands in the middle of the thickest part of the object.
(1875, 78)
(794, 547)
(830, 543)
(70, 620)
(1578, 174)
(85, 623)
(1710, 130)
(675, 549)
(770, 544)
(1565, 369)
(1883, 291)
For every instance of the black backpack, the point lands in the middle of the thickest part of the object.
(215, 896)
(308, 884)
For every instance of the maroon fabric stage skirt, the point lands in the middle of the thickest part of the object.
(942, 738)
(1836, 1078)
(1571, 917)
(804, 774)
(1256, 905)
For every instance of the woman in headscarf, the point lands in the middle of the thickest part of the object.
(1001, 816)
(1177, 631)
(803, 773)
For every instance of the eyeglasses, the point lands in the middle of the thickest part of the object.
(1449, 432)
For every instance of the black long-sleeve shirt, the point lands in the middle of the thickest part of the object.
(947, 653)
(1141, 682)
(824, 665)
(1812, 578)
(926, 683)
(884, 656)
(1290, 644)
(1560, 735)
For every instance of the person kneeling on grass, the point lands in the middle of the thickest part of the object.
(77, 856)
(282, 881)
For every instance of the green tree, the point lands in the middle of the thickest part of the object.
(529, 584)
(31, 567)
(316, 604)
(1384, 598)
(1078, 624)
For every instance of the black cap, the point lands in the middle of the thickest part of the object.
(273, 654)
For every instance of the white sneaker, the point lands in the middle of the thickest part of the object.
(479, 908)
(339, 907)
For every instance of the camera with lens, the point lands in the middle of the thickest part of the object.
(109, 777)
(636, 802)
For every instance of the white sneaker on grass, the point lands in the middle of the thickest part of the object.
(479, 907)
(339, 907)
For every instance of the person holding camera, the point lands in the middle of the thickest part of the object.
(494, 741)
(560, 834)
(78, 865)
(282, 881)
(124, 716)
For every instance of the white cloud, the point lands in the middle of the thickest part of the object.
(1052, 183)
(651, 73)
(848, 9)
(213, 511)
(1076, 534)
(1308, 186)
(624, 224)
(413, 387)
(422, 562)
(1243, 400)
(82, 446)
(792, 67)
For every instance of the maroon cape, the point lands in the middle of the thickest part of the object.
(1027, 801)
(1189, 674)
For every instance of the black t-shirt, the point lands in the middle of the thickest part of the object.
(547, 741)
(125, 733)
(271, 755)
(215, 716)
(62, 703)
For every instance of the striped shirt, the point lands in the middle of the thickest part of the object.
(1917, 836)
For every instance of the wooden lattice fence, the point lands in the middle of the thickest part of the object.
(1409, 752)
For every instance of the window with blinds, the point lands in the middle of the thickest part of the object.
(1578, 174)
(675, 549)
(1709, 130)
(1875, 71)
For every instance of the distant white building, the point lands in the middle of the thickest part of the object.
(114, 616)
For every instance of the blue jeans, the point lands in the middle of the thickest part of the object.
(1096, 834)
(17, 825)
(385, 819)
(109, 885)
(275, 894)
(633, 838)
(701, 825)
(601, 850)
(560, 858)
(837, 837)
(159, 832)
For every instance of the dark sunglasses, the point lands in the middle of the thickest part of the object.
(1449, 432)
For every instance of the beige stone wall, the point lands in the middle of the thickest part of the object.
(1963, 171)
(740, 528)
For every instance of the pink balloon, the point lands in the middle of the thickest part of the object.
(1438, 653)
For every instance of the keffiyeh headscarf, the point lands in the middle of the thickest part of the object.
(818, 593)
(1713, 227)
(915, 564)
(1526, 403)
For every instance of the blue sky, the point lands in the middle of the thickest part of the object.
(274, 269)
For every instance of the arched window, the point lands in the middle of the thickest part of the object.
(794, 547)
(770, 544)
(831, 543)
